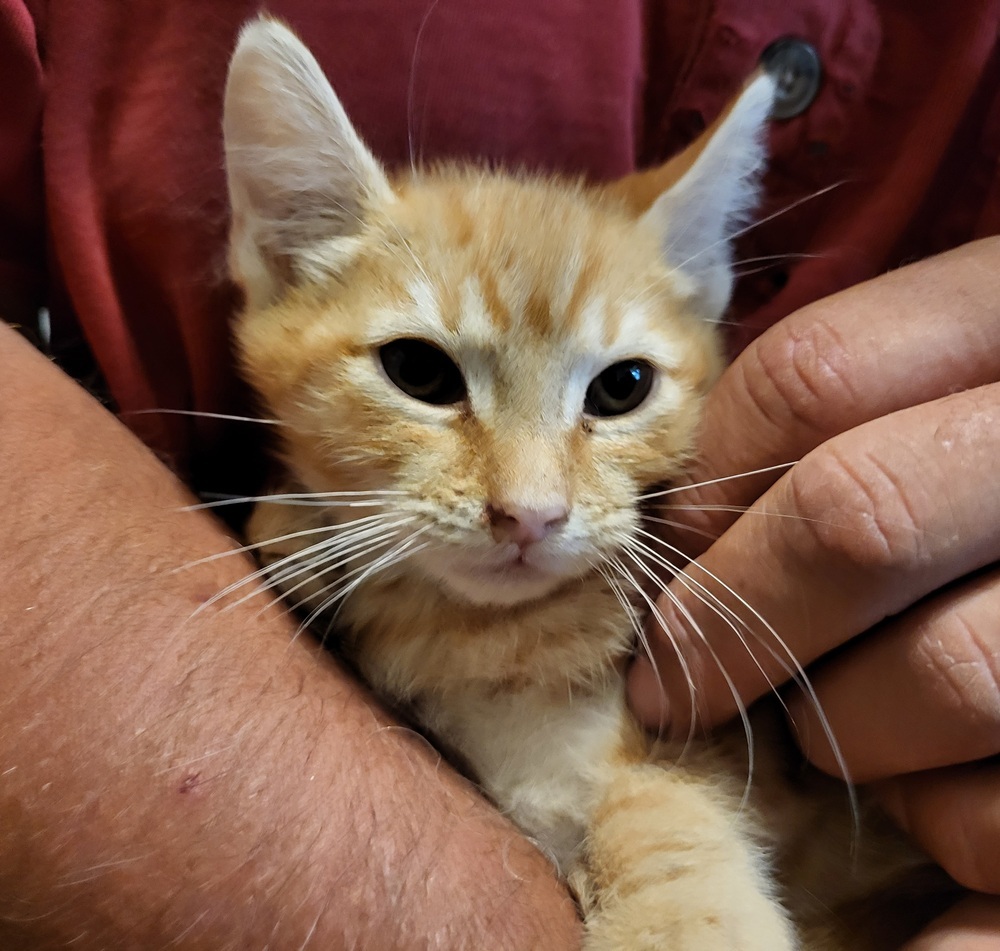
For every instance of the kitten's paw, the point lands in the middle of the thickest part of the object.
(764, 929)
(670, 870)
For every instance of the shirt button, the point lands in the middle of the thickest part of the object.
(795, 66)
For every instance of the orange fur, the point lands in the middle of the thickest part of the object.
(512, 657)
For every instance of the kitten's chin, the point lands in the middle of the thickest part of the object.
(498, 585)
(501, 590)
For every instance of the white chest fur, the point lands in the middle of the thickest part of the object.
(541, 758)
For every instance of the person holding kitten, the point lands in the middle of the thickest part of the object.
(196, 780)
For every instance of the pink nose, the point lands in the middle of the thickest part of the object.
(523, 526)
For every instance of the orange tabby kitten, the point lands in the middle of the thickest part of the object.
(480, 376)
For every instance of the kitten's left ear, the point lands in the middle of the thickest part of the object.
(701, 197)
(301, 181)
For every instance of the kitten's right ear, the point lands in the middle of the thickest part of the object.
(301, 181)
(699, 200)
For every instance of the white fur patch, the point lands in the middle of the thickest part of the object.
(298, 173)
(541, 755)
(697, 218)
(419, 317)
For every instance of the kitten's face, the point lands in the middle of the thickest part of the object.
(514, 359)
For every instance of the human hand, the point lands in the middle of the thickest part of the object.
(883, 541)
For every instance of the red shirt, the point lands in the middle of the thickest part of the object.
(116, 108)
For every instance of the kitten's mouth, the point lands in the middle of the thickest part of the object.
(505, 576)
(504, 580)
(517, 566)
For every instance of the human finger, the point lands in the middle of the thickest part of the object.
(954, 815)
(905, 338)
(862, 528)
(920, 692)
(971, 925)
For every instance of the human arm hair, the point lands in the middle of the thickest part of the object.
(205, 780)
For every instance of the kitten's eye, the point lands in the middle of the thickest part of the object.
(619, 389)
(422, 371)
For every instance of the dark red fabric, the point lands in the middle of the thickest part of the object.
(906, 127)
(22, 247)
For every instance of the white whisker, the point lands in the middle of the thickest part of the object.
(644, 642)
(743, 510)
(790, 256)
(361, 545)
(344, 579)
(712, 601)
(680, 526)
(255, 576)
(243, 549)
(762, 513)
(274, 585)
(368, 498)
(345, 534)
(386, 560)
(347, 541)
(632, 614)
(194, 412)
(390, 558)
(729, 478)
(798, 673)
(756, 224)
(411, 86)
(661, 620)
(740, 705)
(370, 547)
(634, 620)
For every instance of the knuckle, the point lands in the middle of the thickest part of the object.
(965, 668)
(856, 511)
(802, 375)
(967, 421)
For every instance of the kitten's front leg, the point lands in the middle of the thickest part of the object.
(667, 867)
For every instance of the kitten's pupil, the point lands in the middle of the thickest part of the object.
(422, 371)
(619, 389)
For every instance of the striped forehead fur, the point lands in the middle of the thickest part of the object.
(505, 273)
(538, 252)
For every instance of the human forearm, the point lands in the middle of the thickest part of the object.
(202, 779)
